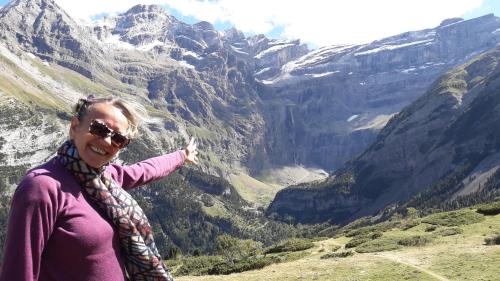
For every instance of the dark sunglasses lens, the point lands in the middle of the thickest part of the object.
(99, 129)
(120, 140)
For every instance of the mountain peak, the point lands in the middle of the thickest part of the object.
(28, 6)
(204, 25)
(43, 28)
(144, 14)
(141, 8)
(35, 17)
(234, 34)
(450, 21)
(143, 24)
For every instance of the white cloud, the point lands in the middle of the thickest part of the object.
(321, 22)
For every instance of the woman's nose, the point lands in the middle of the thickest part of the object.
(107, 139)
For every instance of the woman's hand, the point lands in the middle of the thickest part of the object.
(191, 152)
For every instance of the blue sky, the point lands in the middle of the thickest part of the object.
(489, 6)
(316, 22)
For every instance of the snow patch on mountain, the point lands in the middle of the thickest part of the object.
(201, 45)
(394, 47)
(191, 54)
(184, 63)
(149, 46)
(316, 57)
(114, 42)
(352, 118)
(318, 75)
(262, 71)
(238, 50)
(273, 49)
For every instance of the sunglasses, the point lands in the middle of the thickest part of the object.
(100, 129)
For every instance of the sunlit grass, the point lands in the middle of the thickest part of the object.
(253, 190)
(462, 256)
(21, 86)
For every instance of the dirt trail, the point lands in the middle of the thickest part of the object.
(396, 258)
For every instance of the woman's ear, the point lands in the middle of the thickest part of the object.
(73, 126)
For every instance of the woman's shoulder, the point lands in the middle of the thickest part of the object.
(43, 181)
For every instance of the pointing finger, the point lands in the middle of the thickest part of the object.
(191, 141)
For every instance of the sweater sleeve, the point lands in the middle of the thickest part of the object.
(32, 217)
(146, 171)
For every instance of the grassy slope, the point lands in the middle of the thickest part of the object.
(262, 190)
(17, 83)
(458, 257)
(253, 190)
(34, 83)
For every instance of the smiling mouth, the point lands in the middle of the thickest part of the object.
(97, 150)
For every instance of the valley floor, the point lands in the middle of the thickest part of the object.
(457, 257)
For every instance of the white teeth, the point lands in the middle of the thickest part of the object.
(97, 150)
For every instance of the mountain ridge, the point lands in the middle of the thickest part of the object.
(434, 139)
(226, 71)
(191, 80)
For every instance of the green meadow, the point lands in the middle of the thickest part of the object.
(456, 245)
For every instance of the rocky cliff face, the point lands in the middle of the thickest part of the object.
(184, 80)
(329, 105)
(278, 103)
(252, 102)
(44, 29)
(445, 143)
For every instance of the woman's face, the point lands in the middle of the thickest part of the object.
(94, 150)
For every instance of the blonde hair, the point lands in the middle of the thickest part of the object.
(82, 107)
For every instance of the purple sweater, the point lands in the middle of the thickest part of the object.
(54, 234)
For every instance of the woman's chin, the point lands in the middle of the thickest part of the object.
(95, 160)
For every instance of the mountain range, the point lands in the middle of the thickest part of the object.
(443, 146)
(257, 105)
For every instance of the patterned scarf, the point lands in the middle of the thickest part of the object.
(142, 260)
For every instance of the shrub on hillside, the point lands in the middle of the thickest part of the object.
(493, 240)
(418, 240)
(374, 235)
(290, 245)
(490, 209)
(335, 248)
(342, 254)
(356, 241)
(431, 228)
(449, 231)
(233, 248)
(359, 232)
(367, 230)
(197, 265)
(237, 266)
(360, 239)
(454, 218)
(379, 245)
(405, 225)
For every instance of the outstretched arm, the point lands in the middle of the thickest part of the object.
(154, 168)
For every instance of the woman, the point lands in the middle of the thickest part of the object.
(72, 220)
